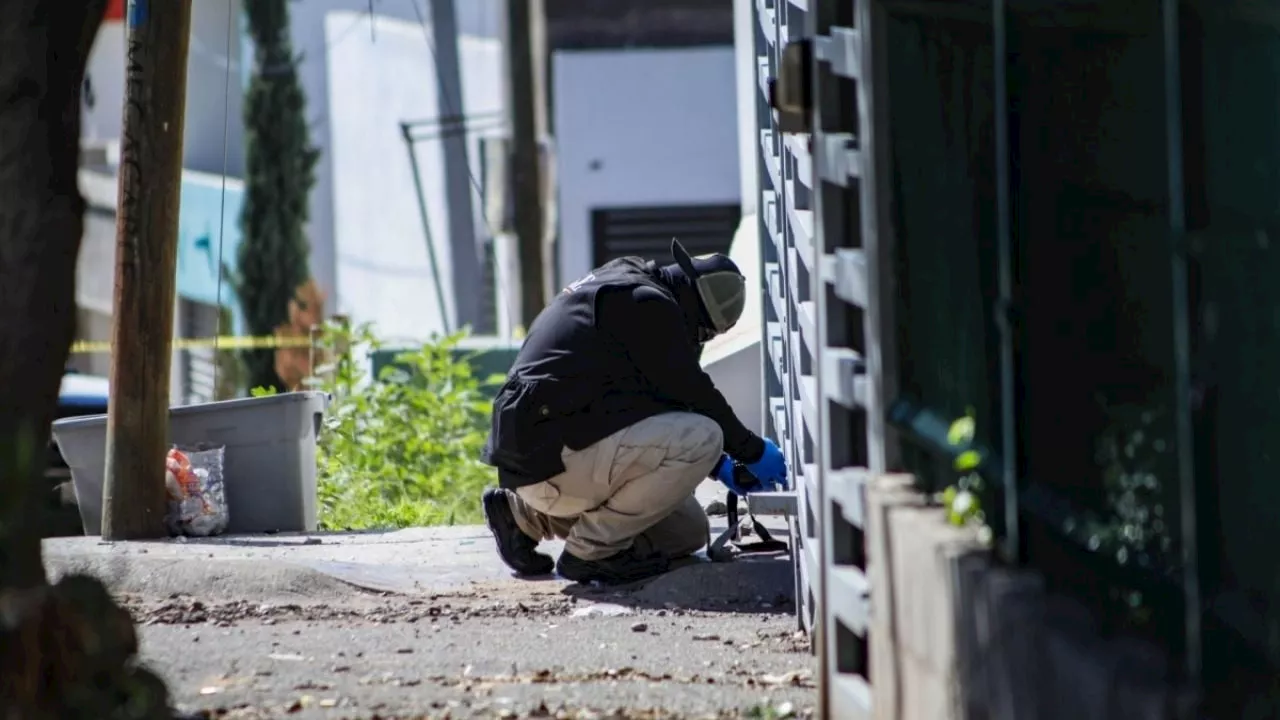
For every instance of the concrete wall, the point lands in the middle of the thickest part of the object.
(95, 267)
(207, 224)
(197, 275)
(382, 263)
(641, 127)
(956, 635)
(215, 100)
(747, 82)
(355, 33)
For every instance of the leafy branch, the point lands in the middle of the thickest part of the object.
(963, 500)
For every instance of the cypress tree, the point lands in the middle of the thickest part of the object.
(280, 172)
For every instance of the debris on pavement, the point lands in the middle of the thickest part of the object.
(716, 508)
(602, 610)
(622, 667)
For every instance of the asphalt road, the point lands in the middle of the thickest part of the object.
(427, 622)
(505, 651)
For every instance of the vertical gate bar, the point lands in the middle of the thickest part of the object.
(806, 599)
(1011, 543)
(1182, 341)
(777, 384)
(877, 237)
(825, 642)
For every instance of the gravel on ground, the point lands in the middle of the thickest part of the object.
(505, 650)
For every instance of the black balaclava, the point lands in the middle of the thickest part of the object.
(696, 323)
(709, 288)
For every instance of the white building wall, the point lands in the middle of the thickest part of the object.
(314, 41)
(215, 89)
(748, 83)
(103, 104)
(383, 271)
(215, 102)
(641, 127)
(215, 106)
(660, 126)
(95, 278)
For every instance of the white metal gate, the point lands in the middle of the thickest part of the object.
(820, 219)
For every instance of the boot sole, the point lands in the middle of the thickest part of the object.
(489, 505)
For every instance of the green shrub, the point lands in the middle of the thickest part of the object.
(403, 450)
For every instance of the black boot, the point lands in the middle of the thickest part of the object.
(518, 551)
(628, 566)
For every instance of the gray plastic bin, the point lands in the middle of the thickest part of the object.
(270, 470)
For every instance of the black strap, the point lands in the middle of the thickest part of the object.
(727, 545)
(767, 542)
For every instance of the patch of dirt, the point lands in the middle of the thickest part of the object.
(181, 609)
(542, 711)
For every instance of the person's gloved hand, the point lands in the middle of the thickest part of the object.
(771, 468)
(739, 479)
(731, 476)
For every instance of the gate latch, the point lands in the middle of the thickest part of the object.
(791, 92)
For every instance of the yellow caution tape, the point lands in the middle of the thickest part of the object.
(229, 342)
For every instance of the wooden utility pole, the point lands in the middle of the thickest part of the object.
(155, 98)
(527, 104)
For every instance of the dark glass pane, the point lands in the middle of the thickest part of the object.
(1232, 98)
(941, 74)
(1094, 293)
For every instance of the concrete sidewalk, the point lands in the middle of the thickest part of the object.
(324, 565)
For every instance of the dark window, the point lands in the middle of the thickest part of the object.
(591, 24)
(647, 231)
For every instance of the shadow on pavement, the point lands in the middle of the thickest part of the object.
(753, 584)
(279, 539)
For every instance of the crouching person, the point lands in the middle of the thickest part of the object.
(607, 423)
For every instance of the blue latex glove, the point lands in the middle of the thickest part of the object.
(738, 479)
(771, 468)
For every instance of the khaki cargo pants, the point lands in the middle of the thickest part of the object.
(634, 486)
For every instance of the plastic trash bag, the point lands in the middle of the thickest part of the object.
(197, 500)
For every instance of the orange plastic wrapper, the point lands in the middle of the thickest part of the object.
(197, 500)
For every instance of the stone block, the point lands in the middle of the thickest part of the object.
(883, 494)
(926, 554)
(1009, 617)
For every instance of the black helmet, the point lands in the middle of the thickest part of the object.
(721, 288)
